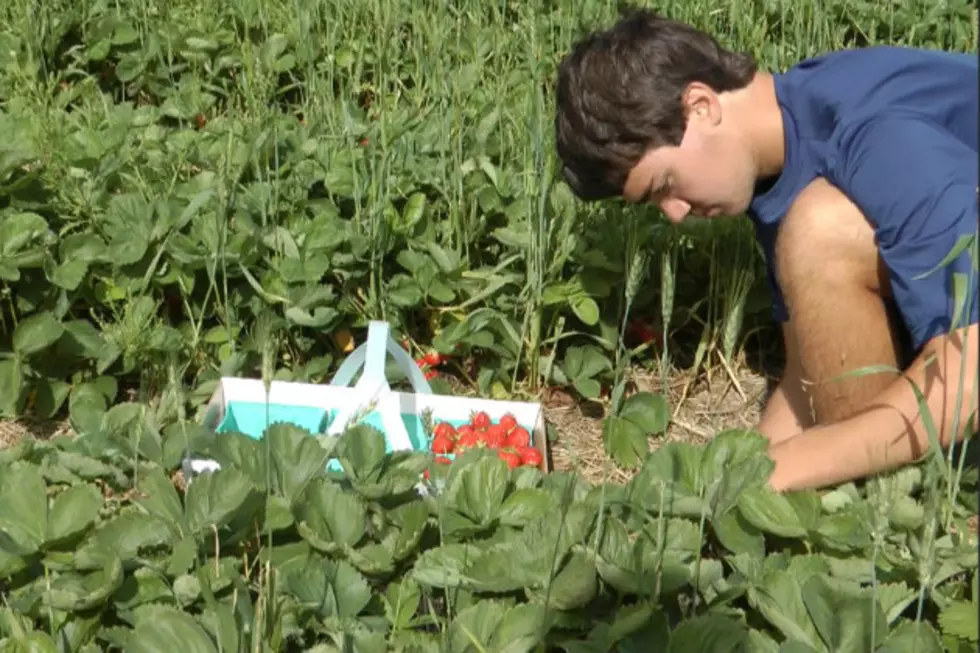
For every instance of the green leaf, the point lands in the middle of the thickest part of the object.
(328, 588)
(708, 634)
(73, 512)
(218, 498)
(477, 489)
(32, 642)
(585, 308)
(296, 459)
(733, 461)
(159, 498)
(624, 441)
(575, 585)
(361, 451)
(779, 598)
(648, 411)
(959, 619)
(524, 506)
(329, 518)
(914, 637)
(24, 501)
(36, 333)
(738, 535)
(164, 629)
(843, 618)
(11, 385)
(86, 408)
(82, 592)
(401, 602)
(770, 512)
(520, 630)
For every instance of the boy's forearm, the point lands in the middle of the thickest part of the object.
(785, 414)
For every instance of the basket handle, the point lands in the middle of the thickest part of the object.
(371, 355)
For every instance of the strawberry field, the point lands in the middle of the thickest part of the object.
(193, 190)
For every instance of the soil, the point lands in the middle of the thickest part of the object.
(700, 407)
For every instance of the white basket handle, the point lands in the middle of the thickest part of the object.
(371, 356)
(373, 384)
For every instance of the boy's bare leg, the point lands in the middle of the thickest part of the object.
(835, 287)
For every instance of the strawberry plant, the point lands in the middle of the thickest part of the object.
(102, 550)
(191, 190)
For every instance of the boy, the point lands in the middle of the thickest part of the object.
(859, 171)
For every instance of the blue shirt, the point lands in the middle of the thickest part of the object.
(895, 129)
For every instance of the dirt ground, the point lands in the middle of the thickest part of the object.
(700, 408)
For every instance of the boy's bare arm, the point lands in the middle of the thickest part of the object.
(787, 412)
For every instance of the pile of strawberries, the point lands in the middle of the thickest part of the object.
(511, 441)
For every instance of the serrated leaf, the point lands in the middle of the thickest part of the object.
(524, 506)
(11, 385)
(296, 459)
(708, 634)
(163, 629)
(843, 618)
(216, 499)
(36, 333)
(770, 512)
(913, 637)
(520, 630)
(477, 489)
(73, 512)
(959, 619)
(24, 501)
(329, 588)
(331, 518)
(86, 408)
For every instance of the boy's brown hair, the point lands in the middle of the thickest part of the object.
(620, 92)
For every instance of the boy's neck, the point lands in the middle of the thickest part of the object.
(757, 110)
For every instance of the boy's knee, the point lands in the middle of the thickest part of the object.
(825, 239)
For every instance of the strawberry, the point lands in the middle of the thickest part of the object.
(443, 444)
(444, 428)
(508, 422)
(421, 363)
(481, 421)
(467, 441)
(512, 458)
(464, 429)
(494, 436)
(530, 456)
(431, 374)
(433, 358)
(519, 437)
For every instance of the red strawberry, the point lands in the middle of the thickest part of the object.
(481, 421)
(508, 422)
(494, 436)
(519, 437)
(467, 441)
(421, 363)
(512, 458)
(431, 374)
(531, 456)
(442, 444)
(433, 358)
(444, 428)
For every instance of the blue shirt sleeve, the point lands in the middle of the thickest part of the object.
(917, 185)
